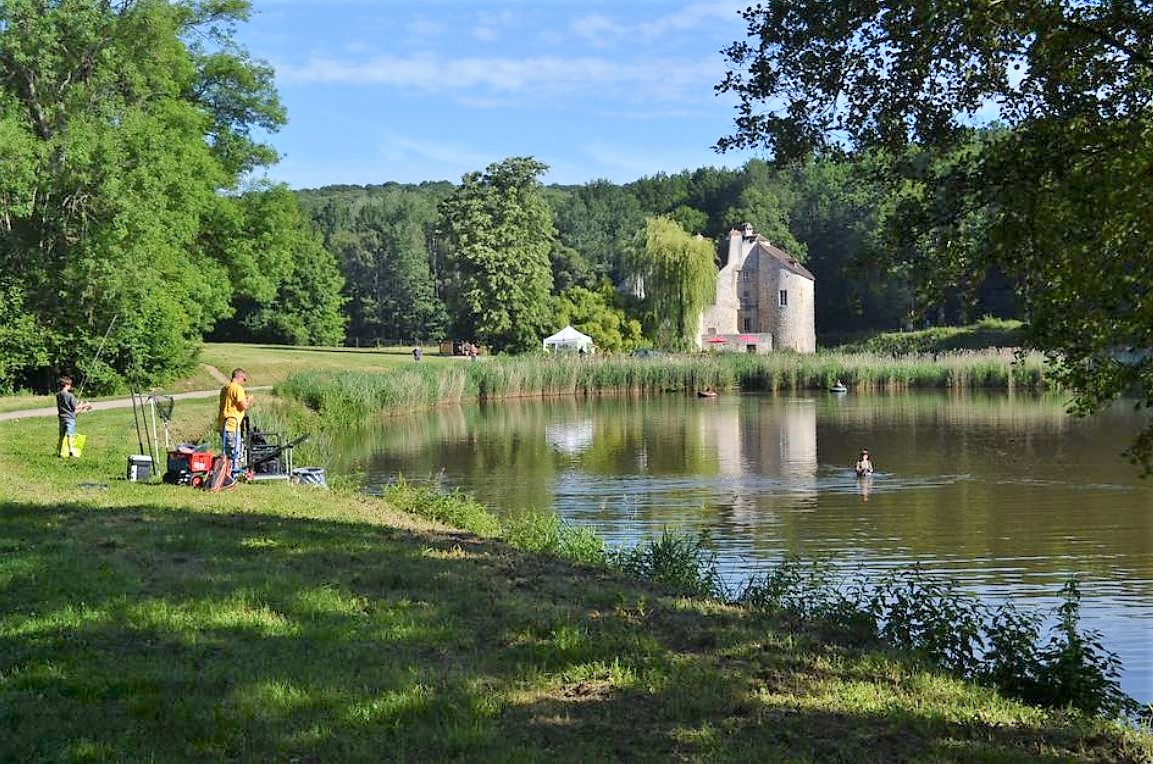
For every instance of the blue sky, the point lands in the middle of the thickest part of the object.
(394, 90)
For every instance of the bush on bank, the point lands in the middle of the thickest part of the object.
(909, 610)
(989, 332)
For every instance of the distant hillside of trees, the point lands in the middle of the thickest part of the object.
(397, 263)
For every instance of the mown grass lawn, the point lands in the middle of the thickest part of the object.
(270, 364)
(281, 623)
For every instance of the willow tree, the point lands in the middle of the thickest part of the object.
(125, 128)
(676, 276)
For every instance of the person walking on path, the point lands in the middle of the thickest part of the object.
(67, 407)
(234, 402)
(416, 353)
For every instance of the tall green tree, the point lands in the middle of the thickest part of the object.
(499, 232)
(839, 214)
(598, 314)
(768, 209)
(396, 292)
(1065, 185)
(120, 123)
(677, 274)
(596, 220)
(290, 292)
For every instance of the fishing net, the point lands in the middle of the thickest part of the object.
(164, 405)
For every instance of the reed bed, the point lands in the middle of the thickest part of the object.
(353, 395)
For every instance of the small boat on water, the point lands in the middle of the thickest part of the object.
(706, 393)
(838, 388)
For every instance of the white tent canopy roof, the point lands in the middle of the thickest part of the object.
(568, 338)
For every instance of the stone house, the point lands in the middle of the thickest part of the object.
(764, 300)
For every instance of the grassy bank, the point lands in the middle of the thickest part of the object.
(148, 622)
(987, 333)
(351, 396)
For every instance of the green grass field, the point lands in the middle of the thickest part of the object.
(271, 364)
(145, 622)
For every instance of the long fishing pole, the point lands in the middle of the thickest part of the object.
(139, 439)
(96, 359)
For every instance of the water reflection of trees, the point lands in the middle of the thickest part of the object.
(1007, 493)
(997, 481)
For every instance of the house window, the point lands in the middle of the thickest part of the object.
(712, 330)
(784, 298)
(746, 276)
(747, 324)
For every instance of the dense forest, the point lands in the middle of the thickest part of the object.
(131, 228)
(835, 215)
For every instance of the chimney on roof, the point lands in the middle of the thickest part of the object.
(747, 230)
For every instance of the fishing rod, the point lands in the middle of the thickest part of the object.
(96, 358)
(139, 438)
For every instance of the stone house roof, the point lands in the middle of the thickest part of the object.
(787, 261)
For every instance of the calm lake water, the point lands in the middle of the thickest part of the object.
(1006, 494)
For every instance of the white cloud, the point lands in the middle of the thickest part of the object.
(536, 77)
(600, 30)
(398, 148)
(695, 16)
(486, 34)
(424, 29)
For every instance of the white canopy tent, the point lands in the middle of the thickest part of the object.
(568, 340)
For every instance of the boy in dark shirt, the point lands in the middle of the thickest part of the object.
(67, 407)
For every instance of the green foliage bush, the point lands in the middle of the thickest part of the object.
(545, 533)
(457, 509)
(683, 562)
(908, 610)
(23, 344)
(1001, 646)
(989, 332)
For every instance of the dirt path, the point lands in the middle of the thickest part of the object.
(121, 403)
(216, 373)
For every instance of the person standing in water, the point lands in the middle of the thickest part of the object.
(864, 466)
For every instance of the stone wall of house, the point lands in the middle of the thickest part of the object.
(793, 323)
(748, 298)
(721, 316)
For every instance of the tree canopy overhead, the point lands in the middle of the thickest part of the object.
(1062, 191)
(815, 76)
(125, 129)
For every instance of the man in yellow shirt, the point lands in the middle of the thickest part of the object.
(233, 403)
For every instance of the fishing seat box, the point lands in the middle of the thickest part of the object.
(197, 461)
(200, 461)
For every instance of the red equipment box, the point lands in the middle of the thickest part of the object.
(200, 461)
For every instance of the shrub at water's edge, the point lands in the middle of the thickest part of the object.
(989, 332)
(350, 396)
(925, 615)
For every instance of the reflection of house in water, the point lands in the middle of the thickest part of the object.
(769, 449)
(570, 437)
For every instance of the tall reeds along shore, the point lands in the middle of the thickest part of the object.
(350, 396)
